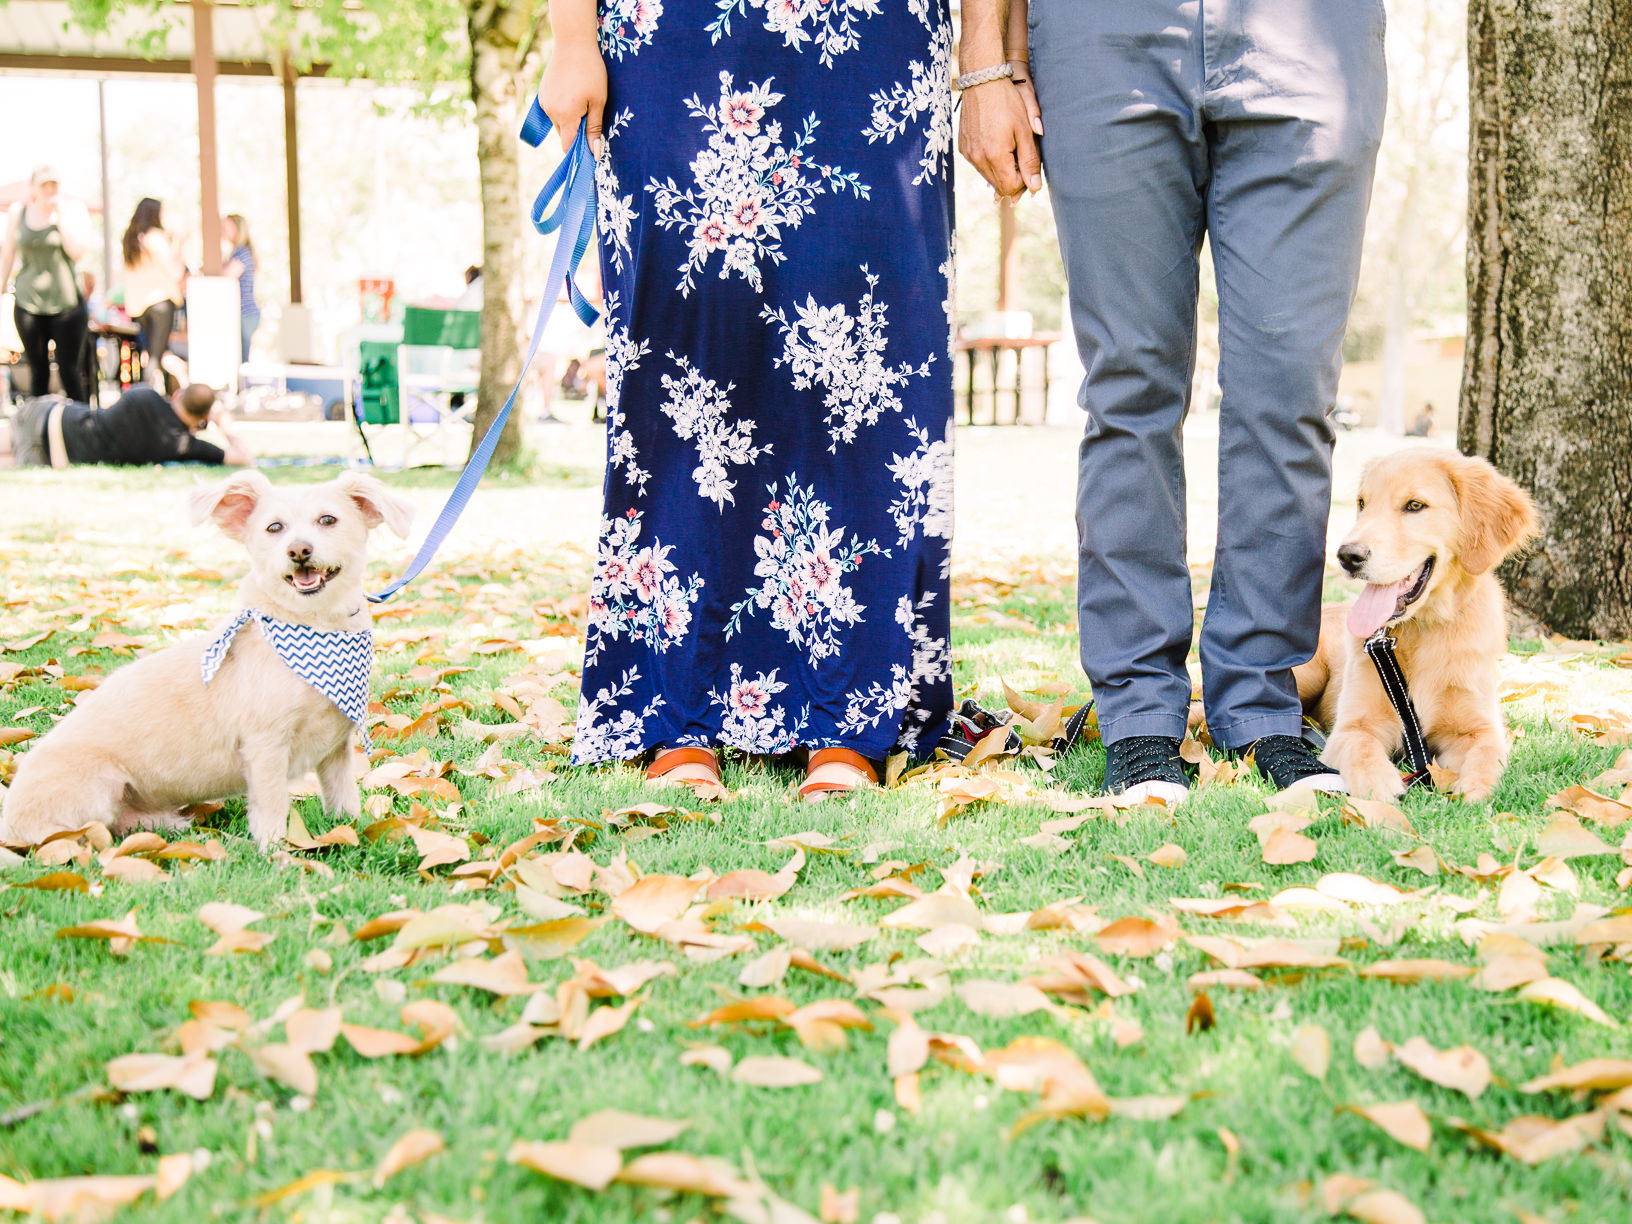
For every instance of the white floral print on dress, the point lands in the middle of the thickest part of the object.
(699, 410)
(628, 25)
(635, 593)
(751, 720)
(835, 24)
(928, 98)
(747, 185)
(599, 737)
(615, 214)
(925, 477)
(826, 346)
(803, 561)
(623, 354)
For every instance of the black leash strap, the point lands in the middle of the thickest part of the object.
(1380, 649)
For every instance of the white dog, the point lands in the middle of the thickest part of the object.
(245, 708)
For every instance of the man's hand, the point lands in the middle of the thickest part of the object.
(574, 84)
(995, 135)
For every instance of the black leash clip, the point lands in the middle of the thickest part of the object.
(1380, 649)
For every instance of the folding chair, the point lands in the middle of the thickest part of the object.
(438, 365)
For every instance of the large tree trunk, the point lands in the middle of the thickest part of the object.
(1547, 384)
(501, 57)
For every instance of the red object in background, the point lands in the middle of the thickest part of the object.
(376, 293)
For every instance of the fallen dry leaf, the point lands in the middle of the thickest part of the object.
(592, 1166)
(774, 1071)
(1555, 992)
(1567, 837)
(653, 900)
(1403, 1121)
(1595, 1074)
(614, 1128)
(1168, 855)
(192, 1075)
(840, 1208)
(603, 1022)
(1463, 1069)
(816, 936)
(503, 975)
(411, 1149)
(679, 1171)
(1001, 1000)
(288, 1066)
(1370, 1050)
(1424, 969)
(1312, 1050)
(1284, 847)
(1137, 936)
(313, 1030)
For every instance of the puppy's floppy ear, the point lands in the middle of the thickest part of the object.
(1497, 515)
(229, 503)
(377, 503)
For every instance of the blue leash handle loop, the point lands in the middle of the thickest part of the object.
(567, 203)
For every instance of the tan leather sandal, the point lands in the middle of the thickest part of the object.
(680, 766)
(845, 771)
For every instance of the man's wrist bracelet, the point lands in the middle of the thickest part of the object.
(981, 76)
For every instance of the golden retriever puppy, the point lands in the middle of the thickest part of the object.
(155, 737)
(1431, 527)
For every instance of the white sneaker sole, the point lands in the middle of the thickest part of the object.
(1170, 793)
(1326, 783)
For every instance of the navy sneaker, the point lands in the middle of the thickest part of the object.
(1143, 767)
(1287, 761)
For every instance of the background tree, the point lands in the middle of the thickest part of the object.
(1547, 381)
(494, 48)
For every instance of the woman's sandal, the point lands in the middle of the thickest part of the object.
(836, 771)
(684, 766)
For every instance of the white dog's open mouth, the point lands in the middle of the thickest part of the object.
(308, 579)
(1381, 602)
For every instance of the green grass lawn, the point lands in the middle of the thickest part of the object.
(1254, 1137)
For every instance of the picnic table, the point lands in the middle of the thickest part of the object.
(992, 348)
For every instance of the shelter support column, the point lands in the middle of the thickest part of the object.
(291, 163)
(209, 201)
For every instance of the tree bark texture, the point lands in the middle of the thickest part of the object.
(1547, 381)
(502, 55)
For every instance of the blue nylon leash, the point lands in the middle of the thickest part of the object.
(571, 191)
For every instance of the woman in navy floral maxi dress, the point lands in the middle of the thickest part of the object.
(775, 232)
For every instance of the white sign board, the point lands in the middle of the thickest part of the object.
(214, 336)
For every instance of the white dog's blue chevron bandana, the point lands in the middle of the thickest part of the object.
(336, 664)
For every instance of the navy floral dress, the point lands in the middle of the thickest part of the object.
(775, 234)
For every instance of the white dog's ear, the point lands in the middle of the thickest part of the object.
(1497, 515)
(378, 503)
(229, 503)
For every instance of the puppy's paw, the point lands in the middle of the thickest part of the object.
(1373, 783)
(1364, 765)
(268, 831)
(344, 800)
(1475, 789)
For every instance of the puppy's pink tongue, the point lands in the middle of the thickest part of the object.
(1375, 605)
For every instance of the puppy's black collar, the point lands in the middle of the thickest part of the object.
(1380, 649)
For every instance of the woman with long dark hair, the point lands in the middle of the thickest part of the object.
(154, 271)
(48, 234)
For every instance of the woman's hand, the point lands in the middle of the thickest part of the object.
(574, 84)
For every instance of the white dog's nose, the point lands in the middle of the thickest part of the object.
(300, 552)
